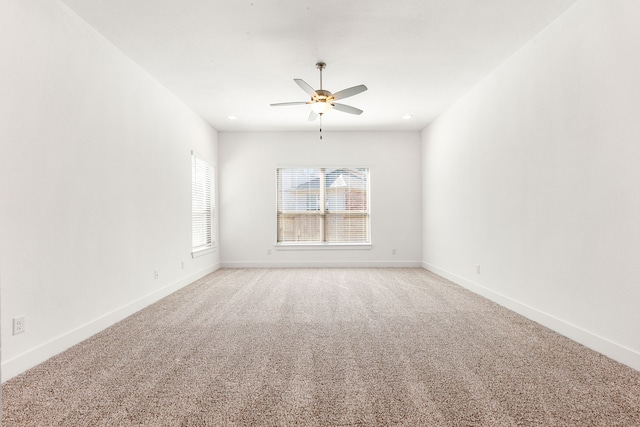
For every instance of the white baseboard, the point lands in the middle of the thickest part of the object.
(31, 358)
(593, 341)
(323, 264)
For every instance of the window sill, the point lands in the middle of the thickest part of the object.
(202, 252)
(321, 246)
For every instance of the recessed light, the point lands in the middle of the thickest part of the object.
(231, 117)
(407, 117)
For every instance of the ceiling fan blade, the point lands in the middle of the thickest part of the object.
(347, 108)
(282, 104)
(312, 116)
(306, 87)
(349, 92)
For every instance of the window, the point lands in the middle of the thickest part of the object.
(323, 205)
(202, 204)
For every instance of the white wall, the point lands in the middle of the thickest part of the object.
(248, 163)
(535, 176)
(95, 183)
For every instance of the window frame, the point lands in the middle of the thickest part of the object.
(208, 193)
(323, 213)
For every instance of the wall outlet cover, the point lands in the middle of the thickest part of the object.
(18, 325)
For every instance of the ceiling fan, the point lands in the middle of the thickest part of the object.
(322, 100)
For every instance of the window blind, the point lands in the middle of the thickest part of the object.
(323, 205)
(202, 204)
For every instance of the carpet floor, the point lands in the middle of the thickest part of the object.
(325, 347)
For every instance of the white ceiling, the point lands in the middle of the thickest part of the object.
(235, 57)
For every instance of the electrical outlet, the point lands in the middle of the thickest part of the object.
(268, 251)
(182, 265)
(393, 251)
(18, 325)
(155, 274)
(477, 268)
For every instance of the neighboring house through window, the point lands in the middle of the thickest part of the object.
(202, 205)
(323, 205)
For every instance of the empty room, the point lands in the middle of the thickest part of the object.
(305, 213)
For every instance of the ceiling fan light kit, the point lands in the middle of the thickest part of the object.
(321, 107)
(322, 101)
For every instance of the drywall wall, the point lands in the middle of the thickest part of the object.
(95, 183)
(248, 162)
(534, 177)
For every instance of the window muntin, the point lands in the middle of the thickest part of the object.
(202, 204)
(323, 205)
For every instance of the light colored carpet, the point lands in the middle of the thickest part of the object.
(325, 347)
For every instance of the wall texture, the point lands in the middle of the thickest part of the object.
(95, 183)
(534, 176)
(248, 163)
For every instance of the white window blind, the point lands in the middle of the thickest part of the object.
(202, 204)
(323, 205)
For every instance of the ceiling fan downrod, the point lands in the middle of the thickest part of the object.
(321, 66)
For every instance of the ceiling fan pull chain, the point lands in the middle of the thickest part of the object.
(320, 127)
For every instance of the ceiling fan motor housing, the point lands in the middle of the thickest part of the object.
(322, 96)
